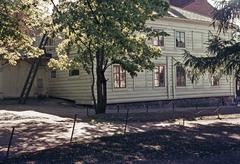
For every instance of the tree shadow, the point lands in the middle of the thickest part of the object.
(168, 145)
(32, 136)
(168, 116)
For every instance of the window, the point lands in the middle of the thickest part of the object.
(158, 41)
(74, 72)
(53, 74)
(181, 76)
(119, 75)
(159, 76)
(180, 39)
(214, 81)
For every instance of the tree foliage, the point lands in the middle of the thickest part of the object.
(106, 32)
(21, 21)
(223, 55)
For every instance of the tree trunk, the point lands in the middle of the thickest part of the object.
(101, 84)
(93, 82)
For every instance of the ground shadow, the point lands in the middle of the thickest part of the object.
(201, 144)
(170, 116)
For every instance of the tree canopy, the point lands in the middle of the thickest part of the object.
(106, 32)
(21, 21)
(223, 54)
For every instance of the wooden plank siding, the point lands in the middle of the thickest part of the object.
(141, 88)
(14, 77)
(77, 88)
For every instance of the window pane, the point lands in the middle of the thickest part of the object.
(214, 81)
(162, 76)
(180, 39)
(159, 76)
(119, 76)
(155, 41)
(74, 72)
(181, 76)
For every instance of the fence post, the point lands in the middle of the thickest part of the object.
(173, 110)
(147, 107)
(75, 118)
(183, 121)
(196, 105)
(10, 142)
(126, 121)
(223, 103)
(218, 113)
(87, 112)
(118, 108)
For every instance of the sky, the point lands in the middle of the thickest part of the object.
(211, 2)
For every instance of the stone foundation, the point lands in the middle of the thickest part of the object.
(193, 102)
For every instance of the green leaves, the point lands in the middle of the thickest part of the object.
(118, 26)
(20, 24)
(223, 55)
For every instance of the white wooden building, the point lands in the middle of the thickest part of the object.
(187, 30)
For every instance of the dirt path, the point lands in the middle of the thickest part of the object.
(47, 125)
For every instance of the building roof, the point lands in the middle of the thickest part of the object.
(197, 6)
(177, 12)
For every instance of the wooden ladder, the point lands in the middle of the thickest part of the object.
(32, 72)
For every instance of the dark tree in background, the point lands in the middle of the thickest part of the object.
(223, 55)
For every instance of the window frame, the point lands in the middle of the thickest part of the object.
(212, 81)
(121, 77)
(160, 42)
(185, 79)
(176, 37)
(158, 79)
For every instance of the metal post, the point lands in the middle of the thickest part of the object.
(118, 108)
(173, 110)
(223, 103)
(126, 121)
(87, 112)
(147, 107)
(10, 142)
(196, 105)
(218, 113)
(183, 121)
(75, 118)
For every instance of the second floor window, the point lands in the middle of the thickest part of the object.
(119, 75)
(158, 41)
(181, 76)
(214, 81)
(180, 39)
(159, 76)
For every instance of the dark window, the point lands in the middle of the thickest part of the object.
(158, 41)
(214, 81)
(74, 72)
(181, 76)
(180, 39)
(119, 75)
(159, 76)
(53, 74)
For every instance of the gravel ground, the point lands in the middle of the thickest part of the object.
(43, 132)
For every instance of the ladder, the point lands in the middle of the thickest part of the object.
(32, 72)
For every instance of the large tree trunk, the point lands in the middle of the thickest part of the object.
(101, 83)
